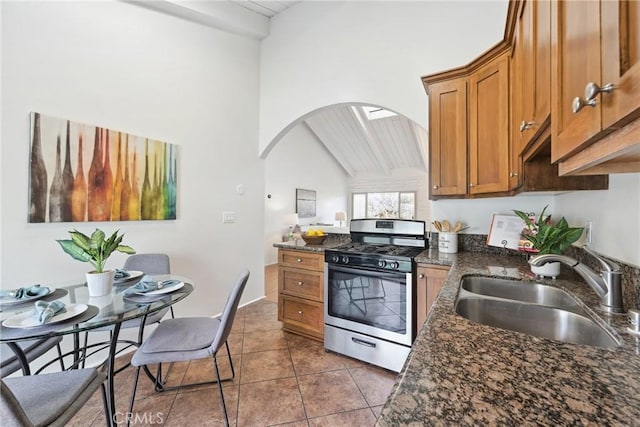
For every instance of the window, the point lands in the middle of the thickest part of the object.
(392, 204)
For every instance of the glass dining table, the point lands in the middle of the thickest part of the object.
(86, 313)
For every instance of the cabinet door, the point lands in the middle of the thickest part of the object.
(428, 284)
(534, 42)
(575, 44)
(515, 112)
(620, 60)
(489, 127)
(448, 137)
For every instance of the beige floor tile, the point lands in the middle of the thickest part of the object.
(262, 323)
(359, 418)
(330, 388)
(294, 340)
(270, 403)
(374, 383)
(203, 408)
(314, 359)
(266, 365)
(263, 340)
(329, 393)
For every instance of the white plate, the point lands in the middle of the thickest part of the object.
(13, 300)
(133, 274)
(165, 290)
(28, 319)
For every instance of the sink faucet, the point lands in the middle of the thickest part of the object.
(607, 284)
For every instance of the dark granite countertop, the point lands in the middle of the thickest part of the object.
(300, 244)
(463, 373)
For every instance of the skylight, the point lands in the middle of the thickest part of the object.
(374, 113)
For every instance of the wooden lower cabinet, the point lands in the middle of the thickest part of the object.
(301, 292)
(428, 285)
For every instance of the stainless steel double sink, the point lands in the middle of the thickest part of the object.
(531, 308)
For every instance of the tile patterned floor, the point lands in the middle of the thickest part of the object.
(281, 379)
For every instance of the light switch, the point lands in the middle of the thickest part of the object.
(228, 217)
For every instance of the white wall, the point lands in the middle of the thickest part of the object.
(615, 215)
(325, 53)
(118, 65)
(299, 160)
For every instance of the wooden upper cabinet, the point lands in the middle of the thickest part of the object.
(595, 45)
(533, 45)
(448, 137)
(575, 29)
(489, 127)
(620, 24)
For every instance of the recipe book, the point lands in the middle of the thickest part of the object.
(506, 232)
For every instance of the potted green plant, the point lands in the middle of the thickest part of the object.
(545, 237)
(95, 249)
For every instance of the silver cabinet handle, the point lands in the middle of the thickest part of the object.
(299, 260)
(420, 276)
(513, 174)
(300, 312)
(471, 184)
(435, 187)
(300, 283)
(592, 90)
(579, 103)
(526, 125)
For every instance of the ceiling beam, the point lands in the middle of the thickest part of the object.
(349, 170)
(421, 139)
(222, 15)
(372, 140)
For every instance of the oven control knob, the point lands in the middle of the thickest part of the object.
(382, 263)
(335, 258)
(394, 264)
(345, 259)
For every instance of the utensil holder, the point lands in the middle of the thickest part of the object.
(448, 242)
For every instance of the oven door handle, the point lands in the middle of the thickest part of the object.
(359, 271)
(363, 342)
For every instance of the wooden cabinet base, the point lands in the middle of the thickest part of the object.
(301, 292)
(301, 316)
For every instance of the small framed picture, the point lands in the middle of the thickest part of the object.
(305, 203)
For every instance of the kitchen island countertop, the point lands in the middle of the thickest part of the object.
(464, 373)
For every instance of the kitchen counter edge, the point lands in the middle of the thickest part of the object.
(463, 373)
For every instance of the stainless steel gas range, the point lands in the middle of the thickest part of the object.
(369, 290)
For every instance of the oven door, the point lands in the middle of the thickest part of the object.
(375, 303)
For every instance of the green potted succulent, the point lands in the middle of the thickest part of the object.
(542, 236)
(95, 249)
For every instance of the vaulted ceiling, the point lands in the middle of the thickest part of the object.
(361, 145)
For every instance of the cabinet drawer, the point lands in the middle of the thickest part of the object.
(301, 283)
(301, 259)
(301, 314)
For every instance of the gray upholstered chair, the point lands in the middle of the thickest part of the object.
(48, 399)
(190, 338)
(9, 362)
(148, 264)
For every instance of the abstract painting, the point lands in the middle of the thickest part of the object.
(81, 172)
(305, 203)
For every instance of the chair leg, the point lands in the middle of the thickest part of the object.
(224, 407)
(60, 356)
(233, 372)
(105, 406)
(129, 414)
(84, 348)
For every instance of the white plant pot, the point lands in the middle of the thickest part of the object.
(100, 284)
(550, 269)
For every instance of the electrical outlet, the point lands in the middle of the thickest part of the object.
(588, 232)
(228, 217)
